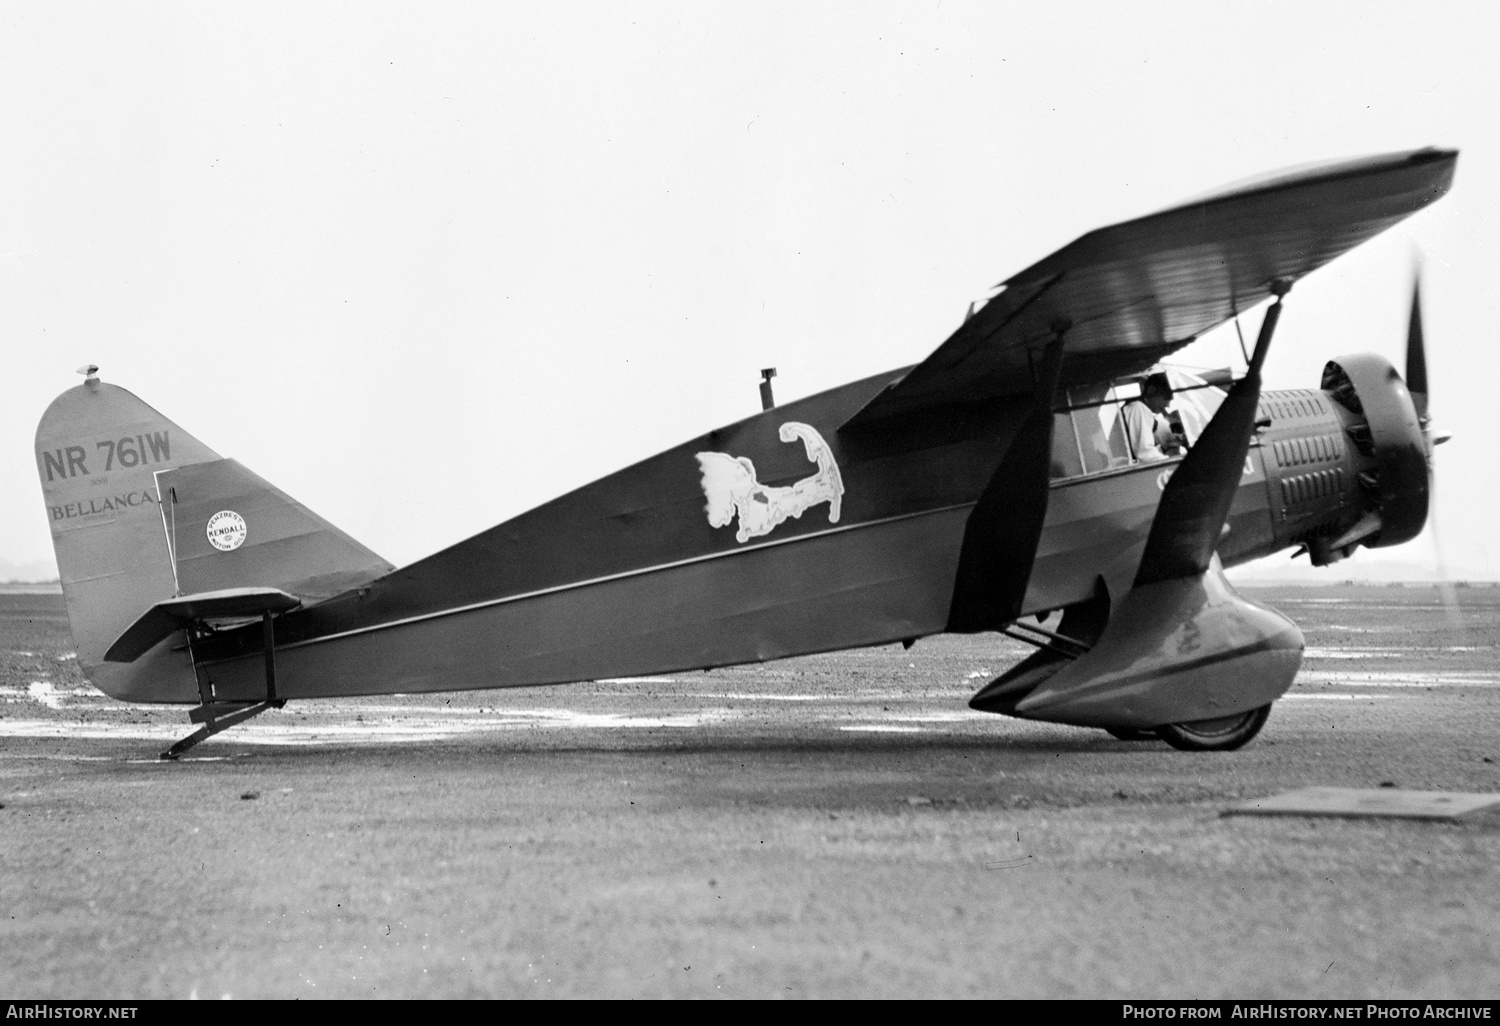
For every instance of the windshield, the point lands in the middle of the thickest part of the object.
(1194, 400)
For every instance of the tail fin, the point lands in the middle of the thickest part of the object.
(228, 528)
(106, 461)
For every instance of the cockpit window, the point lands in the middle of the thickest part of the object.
(1067, 458)
(1090, 436)
(1097, 416)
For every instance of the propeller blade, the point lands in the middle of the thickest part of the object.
(1416, 355)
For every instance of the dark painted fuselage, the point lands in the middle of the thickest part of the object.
(628, 576)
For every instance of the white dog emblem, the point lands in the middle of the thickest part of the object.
(730, 486)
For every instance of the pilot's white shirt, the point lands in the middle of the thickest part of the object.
(1141, 429)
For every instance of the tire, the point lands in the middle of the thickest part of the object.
(1131, 734)
(1223, 734)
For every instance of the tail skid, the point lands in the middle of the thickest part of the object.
(218, 717)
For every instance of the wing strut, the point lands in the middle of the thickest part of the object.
(1003, 530)
(1195, 503)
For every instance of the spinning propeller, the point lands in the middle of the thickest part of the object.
(1416, 355)
(1416, 363)
(1416, 384)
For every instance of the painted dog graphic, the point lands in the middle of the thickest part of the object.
(730, 486)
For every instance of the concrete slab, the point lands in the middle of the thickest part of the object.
(1358, 803)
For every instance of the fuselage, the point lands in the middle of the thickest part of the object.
(662, 567)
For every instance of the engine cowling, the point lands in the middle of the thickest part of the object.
(1393, 455)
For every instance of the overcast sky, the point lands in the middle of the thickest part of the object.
(427, 265)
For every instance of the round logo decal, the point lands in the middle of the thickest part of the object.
(226, 530)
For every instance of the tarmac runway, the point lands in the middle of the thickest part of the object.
(833, 826)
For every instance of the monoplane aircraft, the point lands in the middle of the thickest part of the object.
(994, 481)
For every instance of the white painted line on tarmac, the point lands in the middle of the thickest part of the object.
(1320, 652)
(401, 729)
(52, 756)
(571, 718)
(159, 761)
(91, 731)
(1354, 604)
(1375, 679)
(1330, 698)
(738, 697)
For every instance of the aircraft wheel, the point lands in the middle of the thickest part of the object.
(1223, 734)
(1131, 734)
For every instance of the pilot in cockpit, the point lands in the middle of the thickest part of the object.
(1147, 429)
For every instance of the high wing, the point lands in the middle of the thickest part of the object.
(1127, 295)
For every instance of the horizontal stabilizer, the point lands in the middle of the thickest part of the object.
(170, 615)
(1175, 651)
